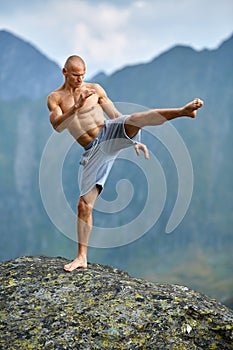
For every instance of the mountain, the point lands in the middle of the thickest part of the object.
(26, 72)
(158, 82)
(99, 77)
(103, 308)
(199, 252)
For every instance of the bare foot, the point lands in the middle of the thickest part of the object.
(79, 262)
(190, 110)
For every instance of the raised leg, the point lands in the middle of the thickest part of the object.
(158, 116)
(84, 226)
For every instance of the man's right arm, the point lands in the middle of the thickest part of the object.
(58, 119)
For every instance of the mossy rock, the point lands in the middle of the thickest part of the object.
(43, 307)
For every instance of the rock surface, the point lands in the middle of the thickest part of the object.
(42, 307)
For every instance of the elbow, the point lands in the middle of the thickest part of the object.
(57, 127)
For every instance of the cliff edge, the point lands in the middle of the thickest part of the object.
(43, 307)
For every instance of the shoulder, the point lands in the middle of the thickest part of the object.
(54, 99)
(98, 89)
(55, 96)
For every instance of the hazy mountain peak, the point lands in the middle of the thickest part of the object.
(26, 71)
(227, 45)
(99, 77)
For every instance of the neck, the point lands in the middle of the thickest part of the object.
(72, 89)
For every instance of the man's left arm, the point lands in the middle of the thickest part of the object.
(111, 111)
(106, 104)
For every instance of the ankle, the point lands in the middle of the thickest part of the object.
(82, 257)
(182, 111)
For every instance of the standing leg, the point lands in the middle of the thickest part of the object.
(84, 226)
(159, 116)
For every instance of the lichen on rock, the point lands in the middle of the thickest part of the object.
(43, 307)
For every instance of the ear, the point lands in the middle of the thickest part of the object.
(64, 71)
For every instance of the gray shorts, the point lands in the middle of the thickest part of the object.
(99, 155)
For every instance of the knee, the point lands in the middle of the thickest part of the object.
(84, 209)
(132, 126)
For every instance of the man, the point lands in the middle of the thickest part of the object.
(79, 107)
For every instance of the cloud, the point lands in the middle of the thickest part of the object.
(110, 34)
(101, 36)
(98, 33)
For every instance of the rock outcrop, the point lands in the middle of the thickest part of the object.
(43, 307)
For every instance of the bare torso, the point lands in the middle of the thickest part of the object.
(85, 123)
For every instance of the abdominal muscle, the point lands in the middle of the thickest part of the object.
(85, 126)
(86, 138)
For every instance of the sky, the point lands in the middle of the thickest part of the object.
(112, 34)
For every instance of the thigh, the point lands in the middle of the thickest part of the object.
(147, 118)
(132, 125)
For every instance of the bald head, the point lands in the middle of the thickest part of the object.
(74, 71)
(74, 61)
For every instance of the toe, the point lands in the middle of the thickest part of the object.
(67, 267)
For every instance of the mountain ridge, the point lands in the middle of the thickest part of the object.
(27, 72)
(189, 49)
(177, 66)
